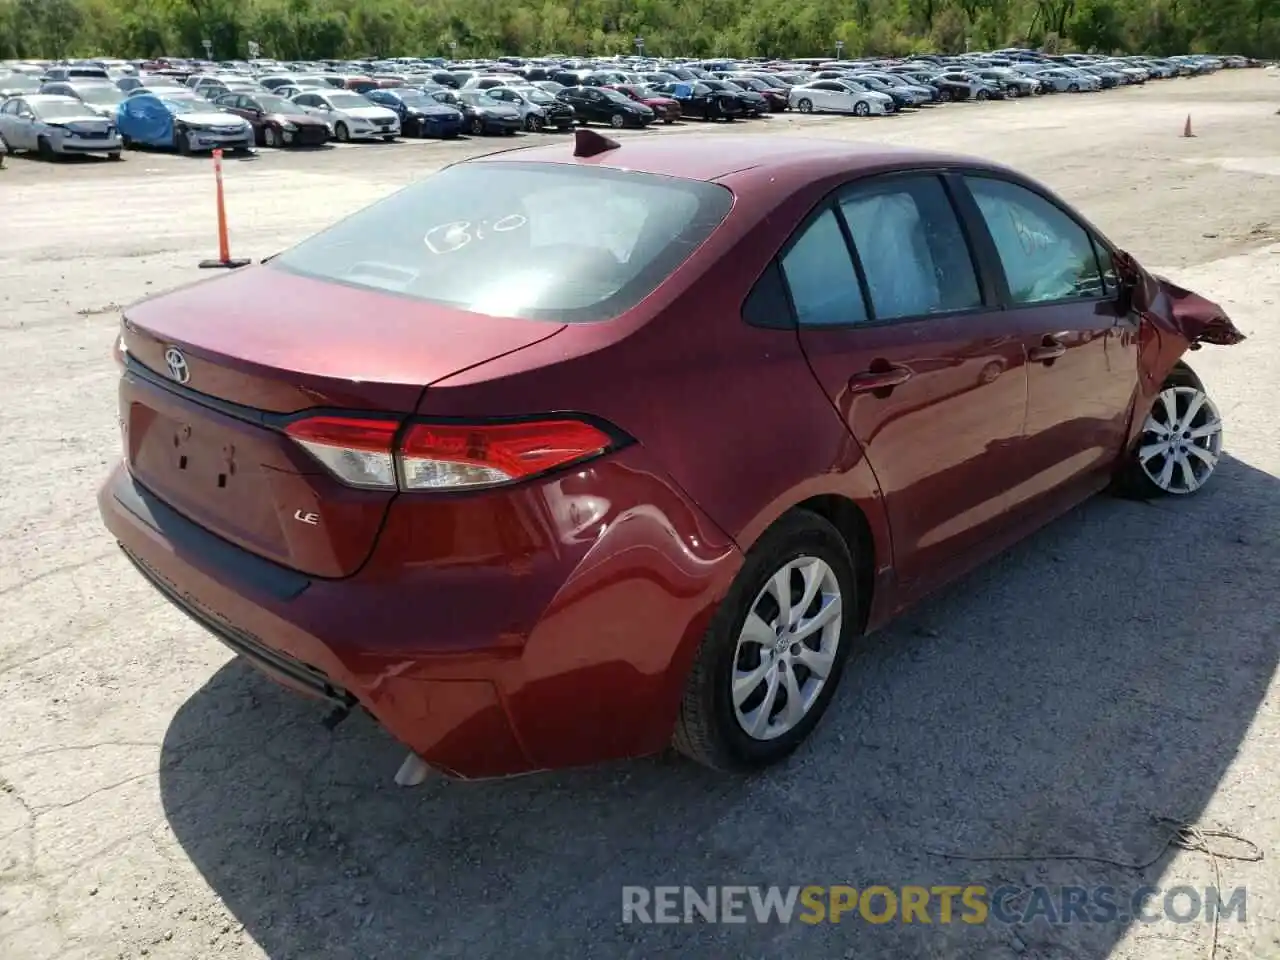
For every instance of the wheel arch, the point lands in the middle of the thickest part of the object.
(848, 518)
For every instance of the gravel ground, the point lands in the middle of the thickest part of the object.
(157, 798)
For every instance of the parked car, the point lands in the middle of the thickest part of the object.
(631, 575)
(351, 116)
(604, 105)
(53, 126)
(1015, 84)
(76, 71)
(481, 113)
(214, 88)
(148, 81)
(277, 122)
(921, 93)
(753, 104)
(667, 109)
(101, 98)
(538, 109)
(420, 115)
(950, 89)
(834, 96)
(696, 99)
(181, 121)
(17, 84)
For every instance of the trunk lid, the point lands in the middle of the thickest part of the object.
(215, 369)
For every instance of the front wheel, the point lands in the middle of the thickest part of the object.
(982, 95)
(477, 127)
(944, 95)
(1073, 88)
(269, 137)
(341, 132)
(113, 155)
(773, 654)
(861, 108)
(617, 121)
(805, 106)
(182, 140)
(45, 149)
(1180, 445)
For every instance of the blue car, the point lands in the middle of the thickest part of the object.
(420, 115)
(180, 121)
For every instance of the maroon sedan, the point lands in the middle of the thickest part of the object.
(563, 454)
(277, 122)
(666, 108)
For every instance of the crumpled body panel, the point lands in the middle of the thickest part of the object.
(1175, 309)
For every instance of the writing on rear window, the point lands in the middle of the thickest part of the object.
(531, 240)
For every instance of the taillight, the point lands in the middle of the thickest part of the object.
(357, 452)
(446, 456)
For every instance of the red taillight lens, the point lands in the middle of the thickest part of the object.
(358, 452)
(437, 456)
(449, 456)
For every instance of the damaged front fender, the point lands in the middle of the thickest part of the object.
(1171, 321)
(1174, 309)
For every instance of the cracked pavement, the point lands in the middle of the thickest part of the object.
(159, 799)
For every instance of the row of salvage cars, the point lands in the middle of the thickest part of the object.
(104, 107)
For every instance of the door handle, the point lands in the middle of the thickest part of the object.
(886, 378)
(1051, 348)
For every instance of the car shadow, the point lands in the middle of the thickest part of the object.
(1101, 672)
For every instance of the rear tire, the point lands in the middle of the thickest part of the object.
(1195, 446)
(732, 667)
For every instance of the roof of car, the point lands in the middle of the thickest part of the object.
(710, 157)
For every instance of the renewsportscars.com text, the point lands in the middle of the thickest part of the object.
(943, 904)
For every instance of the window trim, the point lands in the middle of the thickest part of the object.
(1006, 300)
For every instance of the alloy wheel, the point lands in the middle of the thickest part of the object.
(860, 109)
(806, 106)
(1181, 440)
(786, 648)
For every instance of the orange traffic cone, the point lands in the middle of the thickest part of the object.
(1186, 130)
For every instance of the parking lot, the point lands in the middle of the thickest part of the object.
(159, 799)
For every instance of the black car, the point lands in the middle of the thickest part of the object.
(481, 113)
(950, 89)
(753, 104)
(598, 105)
(699, 100)
(420, 115)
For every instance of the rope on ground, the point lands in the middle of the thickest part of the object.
(1181, 834)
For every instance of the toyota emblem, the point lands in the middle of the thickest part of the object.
(177, 365)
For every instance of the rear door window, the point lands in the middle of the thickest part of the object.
(532, 240)
(913, 252)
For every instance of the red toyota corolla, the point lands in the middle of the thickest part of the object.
(563, 454)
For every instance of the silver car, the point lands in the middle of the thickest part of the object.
(57, 126)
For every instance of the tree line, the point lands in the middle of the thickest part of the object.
(337, 29)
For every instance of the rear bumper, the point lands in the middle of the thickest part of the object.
(550, 627)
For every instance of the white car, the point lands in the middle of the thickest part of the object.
(350, 115)
(834, 96)
(53, 125)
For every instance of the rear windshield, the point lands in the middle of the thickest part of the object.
(538, 241)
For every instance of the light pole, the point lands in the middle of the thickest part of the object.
(639, 46)
(839, 49)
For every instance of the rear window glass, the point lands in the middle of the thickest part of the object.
(538, 241)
